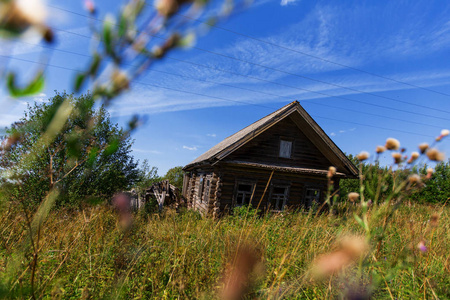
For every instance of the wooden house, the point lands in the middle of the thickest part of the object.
(280, 161)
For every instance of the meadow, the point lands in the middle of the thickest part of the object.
(180, 255)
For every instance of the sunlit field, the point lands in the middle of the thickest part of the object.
(88, 254)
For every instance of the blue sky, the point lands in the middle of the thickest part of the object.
(406, 41)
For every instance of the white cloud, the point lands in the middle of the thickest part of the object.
(332, 134)
(211, 135)
(287, 2)
(147, 151)
(193, 148)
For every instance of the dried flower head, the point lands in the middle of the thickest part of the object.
(353, 197)
(435, 155)
(397, 157)
(380, 149)
(350, 249)
(414, 179)
(430, 172)
(331, 172)
(423, 147)
(392, 144)
(434, 220)
(167, 8)
(120, 80)
(444, 133)
(363, 155)
(414, 156)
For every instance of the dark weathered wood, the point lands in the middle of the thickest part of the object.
(250, 156)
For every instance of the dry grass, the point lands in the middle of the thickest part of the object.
(86, 254)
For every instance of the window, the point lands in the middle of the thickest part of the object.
(200, 188)
(285, 148)
(312, 197)
(278, 197)
(244, 193)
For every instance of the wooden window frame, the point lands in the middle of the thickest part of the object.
(312, 187)
(287, 187)
(236, 191)
(285, 139)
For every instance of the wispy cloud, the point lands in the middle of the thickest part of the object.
(147, 151)
(287, 2)
(211, 135)
(193, 148)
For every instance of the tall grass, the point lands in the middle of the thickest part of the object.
(87, 254)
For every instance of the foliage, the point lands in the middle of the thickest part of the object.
(437, 188)
(147, 176)
(88, 158)
(175, 176)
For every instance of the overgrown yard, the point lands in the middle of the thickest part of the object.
(87, 254)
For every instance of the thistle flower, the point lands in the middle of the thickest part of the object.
(353, 197)
(380, 149)
(423, 147)
(392, 144)
(414, 156)
(421, 246)
(120, 80)
(331, 172)
(350, 249)
(414, 179)
(430, 172)
(167, 8)
(363, 155)
(90, 6)
(397, 157)
(435, 155)
(444, 133)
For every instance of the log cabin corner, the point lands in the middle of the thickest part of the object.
(279, 161)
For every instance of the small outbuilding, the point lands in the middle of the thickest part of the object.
(280, 161)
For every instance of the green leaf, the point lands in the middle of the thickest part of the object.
(95, 64)
(112, 147)
(360, 221)
(34, 87)
(79, 80)
(108, 35)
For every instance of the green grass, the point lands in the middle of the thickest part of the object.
(86, 254)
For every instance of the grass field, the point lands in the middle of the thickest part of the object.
(87, 254)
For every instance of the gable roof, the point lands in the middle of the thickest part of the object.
(235, 141)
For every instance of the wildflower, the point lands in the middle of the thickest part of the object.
(363, 156)
(421, 246)
(120, 80)
(353, 197)
(423, 147)
(444, 133)
(414, 156)
(414, 179)
(167, 8)
(90, 6)
(350, 249)
(397, 157)
(435, 155)
(331, 172)
(430, 172)
(392, 144)
(380, 149)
